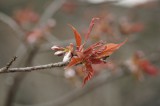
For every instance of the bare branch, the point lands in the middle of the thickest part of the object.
(8, 65)
(34, 68)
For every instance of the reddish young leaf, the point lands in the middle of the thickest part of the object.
(146, 66)
(80, 54)
(97, 61)
(96, 45)
(92, 49)
(74, 61)
(90, 73)
(77, 36)
(110, 48)
(90, 28)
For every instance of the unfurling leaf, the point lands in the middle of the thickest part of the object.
(90, 28)
(90, 73)
(77, 36)
(94, 54)
(74, 61)
(110, 48)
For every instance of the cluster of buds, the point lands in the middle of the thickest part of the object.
(94, 54)
(67, 52)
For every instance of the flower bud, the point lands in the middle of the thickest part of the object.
(56, 48)
(67, 56)
(59, 53)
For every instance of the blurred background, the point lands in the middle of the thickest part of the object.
(29, 28)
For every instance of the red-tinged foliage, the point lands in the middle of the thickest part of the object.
(77, 36)
(147, 67)
(90, 73)
(144, 64)
(138, 66)
(90, 28)
(25, 16)
(106, 26)
(110, 48)
(73, 62)
(94, 54)
(128, 28)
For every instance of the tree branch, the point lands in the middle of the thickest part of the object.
(51, 10)
(75, 94)
(8, 65)
(34, 68)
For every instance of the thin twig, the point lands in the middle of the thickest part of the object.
(34, 68)
(8, 65)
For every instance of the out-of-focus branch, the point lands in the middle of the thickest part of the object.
(97, 82)
(48, 13)
(51, 10)
(10, 22)
(34, 68)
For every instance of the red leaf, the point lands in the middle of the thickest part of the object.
(74, 61)
(90, 28)
(110, 48)
(90, 73)
(80, 54)
(97, 61)
(77, 36)
(146, 66)
(92, 48)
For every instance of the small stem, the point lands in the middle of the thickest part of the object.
(34, 68)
